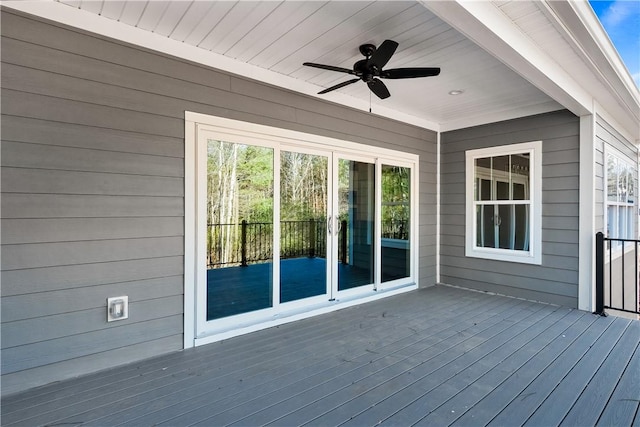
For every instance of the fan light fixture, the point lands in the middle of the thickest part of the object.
(456, 92)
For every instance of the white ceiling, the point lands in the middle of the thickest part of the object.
(278, 37)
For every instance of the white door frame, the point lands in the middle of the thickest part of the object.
(195, 330)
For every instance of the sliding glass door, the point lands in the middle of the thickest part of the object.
(282, 226)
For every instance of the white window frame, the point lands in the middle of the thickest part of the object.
(632, 216)
(534, 254)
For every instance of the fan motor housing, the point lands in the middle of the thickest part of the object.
(367, 49)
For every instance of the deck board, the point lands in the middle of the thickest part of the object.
(596, 396)
(281, 375)
(558, 402)
(625, 400)
(423, 377)
(497, 399)
(409, 408)
(437, 356)
(527, 401)
(263, 405)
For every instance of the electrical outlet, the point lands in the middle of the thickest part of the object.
(117, 308)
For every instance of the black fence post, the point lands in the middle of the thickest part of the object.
(312, 238)
(243, 243)
(600, 274)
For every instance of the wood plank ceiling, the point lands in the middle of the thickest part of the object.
(279, 36)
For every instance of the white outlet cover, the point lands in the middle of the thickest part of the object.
(117, 308)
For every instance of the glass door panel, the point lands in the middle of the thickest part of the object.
(354, 224)
(395, 223)
(303, 231)
(239, 228)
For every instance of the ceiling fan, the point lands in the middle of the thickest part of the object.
(369, 69)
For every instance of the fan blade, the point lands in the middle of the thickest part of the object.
(383, 53)
(329, 67)
(379, 88)
(409, 73)
(338, 86)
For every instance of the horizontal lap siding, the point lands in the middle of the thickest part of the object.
(93, 190)
(556, 280)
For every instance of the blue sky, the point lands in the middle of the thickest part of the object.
(621, 20)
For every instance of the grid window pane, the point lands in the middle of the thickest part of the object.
(500, 179)
(621, 194)
(612, 179)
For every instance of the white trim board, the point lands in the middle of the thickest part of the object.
(586, 238)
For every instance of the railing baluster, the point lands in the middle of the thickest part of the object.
(243, 243)
(312, 238)
(610, 272)
(637, 278)
(623, 274)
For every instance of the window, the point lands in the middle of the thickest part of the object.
(503, 203)
(621, 196)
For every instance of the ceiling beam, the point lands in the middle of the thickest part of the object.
(485, 25)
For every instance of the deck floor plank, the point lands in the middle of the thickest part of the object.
(91, 383)
(558, 402)
(407, 407)
(495, 400)
(341, 407)
(310, 361)
(353, 367)
(527, 401)
(474, 391)
(625, 400)
(436, 356)
(595, 397)
(221, 372)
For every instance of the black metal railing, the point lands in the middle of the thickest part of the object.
(250, 242)
(302, 238)
(617, 274)
(395, 229)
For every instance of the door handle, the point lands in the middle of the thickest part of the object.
(330, 225)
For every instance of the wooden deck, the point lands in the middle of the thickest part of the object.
(436, 356)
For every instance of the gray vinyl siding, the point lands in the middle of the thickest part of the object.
(93, 191)
(606, 138)
(556, 280)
